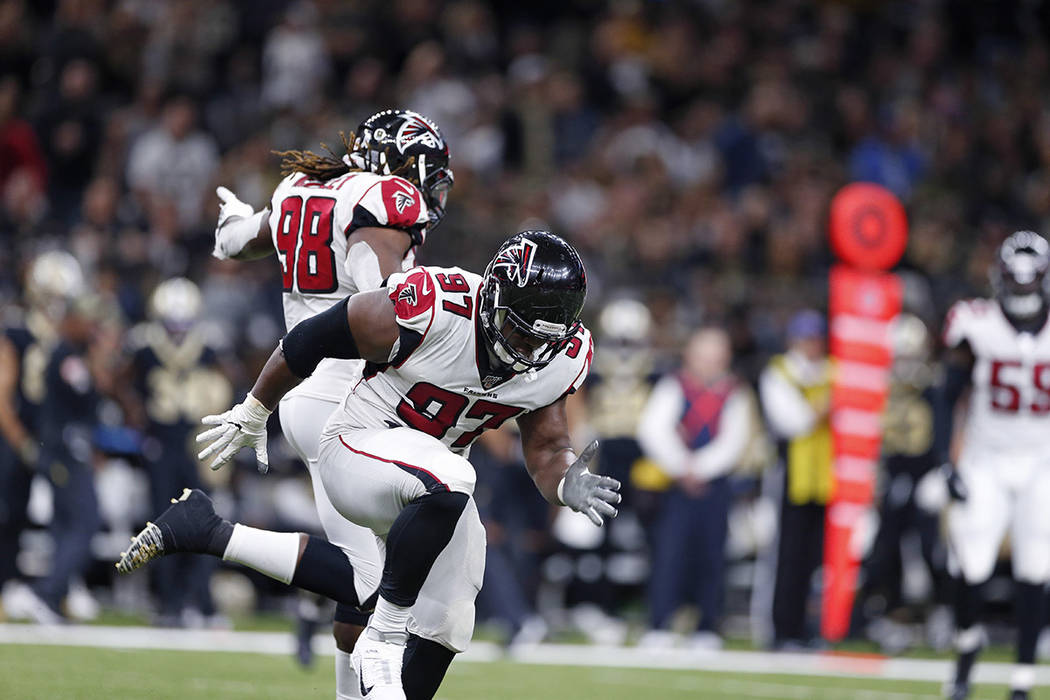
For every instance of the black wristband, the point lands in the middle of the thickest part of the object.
(325, 335)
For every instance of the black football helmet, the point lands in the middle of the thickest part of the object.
(531, 299)
(1019, 275)
(405, 143)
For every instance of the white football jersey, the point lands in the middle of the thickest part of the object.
(310, 222)
(1009, 409)
(439, 379)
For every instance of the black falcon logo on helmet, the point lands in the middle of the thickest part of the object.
(416, 130)
(516, 260)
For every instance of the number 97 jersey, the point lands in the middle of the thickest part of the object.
(310, 222)
(439, 380)
(1009, 411)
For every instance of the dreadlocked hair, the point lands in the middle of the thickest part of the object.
(326, 167)
(316, 166)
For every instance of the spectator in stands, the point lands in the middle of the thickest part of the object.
(173, 164)
(795, 391)
(696, 426)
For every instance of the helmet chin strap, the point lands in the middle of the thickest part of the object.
(505, 358)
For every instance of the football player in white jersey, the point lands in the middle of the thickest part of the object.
(339, 225)
(450, 354)
(1000, 349)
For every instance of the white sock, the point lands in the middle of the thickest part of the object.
(272, 553)
(1023, 677)
(347, 686)
(969, 639)
(389, 618)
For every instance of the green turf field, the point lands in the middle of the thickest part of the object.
(31, 672)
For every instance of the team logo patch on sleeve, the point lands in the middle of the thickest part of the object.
(516, 261)
(402, 203)
(413, 295)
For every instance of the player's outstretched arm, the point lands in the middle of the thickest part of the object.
(362, 326)
(241, 232)
(561, 476)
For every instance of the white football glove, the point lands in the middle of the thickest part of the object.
(244, 425)
(588, 493)
(228, 240)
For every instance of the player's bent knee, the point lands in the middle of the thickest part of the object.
(455, 473)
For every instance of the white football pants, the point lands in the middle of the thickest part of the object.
(359, 494)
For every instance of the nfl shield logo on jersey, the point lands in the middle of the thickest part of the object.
(516, 261)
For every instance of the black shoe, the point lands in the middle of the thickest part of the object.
(189, 525)
(1018, 695)
(957, 691)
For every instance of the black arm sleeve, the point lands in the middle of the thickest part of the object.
(958, 369)
(325, 335)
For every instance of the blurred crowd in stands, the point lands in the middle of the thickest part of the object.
(688, 149)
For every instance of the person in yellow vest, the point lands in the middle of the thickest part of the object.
(795, 391)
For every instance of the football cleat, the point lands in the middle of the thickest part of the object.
(377, 659)
(189, 525)
(1018, 694)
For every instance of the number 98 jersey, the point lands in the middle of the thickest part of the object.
(1009, 411)
(310, 222)
(439, 380)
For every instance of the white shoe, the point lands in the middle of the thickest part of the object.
(80, 604)
(22, 603)
(377, 660)
(599, 627)
(533, 631)
(705, 641)
(658, 639)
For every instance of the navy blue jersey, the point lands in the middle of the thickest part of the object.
(180, 382)
(69, 412)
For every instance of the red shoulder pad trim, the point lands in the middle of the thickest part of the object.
(402, 202)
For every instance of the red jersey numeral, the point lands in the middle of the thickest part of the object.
(431, 409)
(456, 283)
(434, 411)
(494, 413)
(304, 242)
(1006, 396)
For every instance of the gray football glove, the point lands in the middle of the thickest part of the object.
(587, 493)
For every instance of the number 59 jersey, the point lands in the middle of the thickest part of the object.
(439, 380)
(310, 222)
(1009, 411)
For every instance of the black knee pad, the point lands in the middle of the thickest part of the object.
(418, 535)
